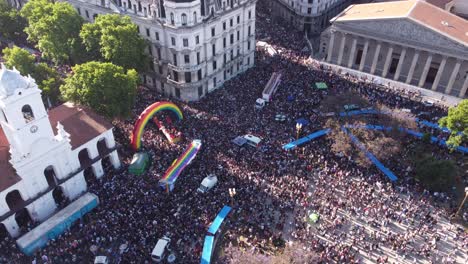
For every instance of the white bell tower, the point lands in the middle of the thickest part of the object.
(23, 116)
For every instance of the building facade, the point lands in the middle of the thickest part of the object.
(310, 16)
(47, 158)
(402, 42)
(196, 45)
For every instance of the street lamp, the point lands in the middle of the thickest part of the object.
(462, 203)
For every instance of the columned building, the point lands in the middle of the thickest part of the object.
(411, 41)
(196, 45)
(47, 158)
(310, 16)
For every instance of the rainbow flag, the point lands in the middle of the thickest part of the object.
(183, 161)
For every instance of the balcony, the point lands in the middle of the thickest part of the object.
(184, 85)
(186, 68)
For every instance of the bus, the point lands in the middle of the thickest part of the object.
(57, 224)
(271, 86)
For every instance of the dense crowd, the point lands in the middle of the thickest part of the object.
(361, 212)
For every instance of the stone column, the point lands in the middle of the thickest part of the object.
(440, 71)
(376, 58)
(464, 88)
(413, 66)
(388, 60)
(343, 42)
(422, 80)
(400, 64)
(330, 45)
(353, 53)
(453, 76)
(364, 55)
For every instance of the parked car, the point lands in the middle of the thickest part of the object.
(428, 103)
(208, 183)
(159, 251)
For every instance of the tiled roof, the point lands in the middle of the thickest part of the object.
(81, 123)
(423, 13)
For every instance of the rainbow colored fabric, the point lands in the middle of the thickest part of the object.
(179, 165)
(145, 116)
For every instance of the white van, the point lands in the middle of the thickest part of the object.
(101, 260)
(158, 253)
(208, 183)
(252, 140)
(260, 103)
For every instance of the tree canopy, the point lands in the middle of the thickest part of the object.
(114, 38)
(55, 27)
(457, 122)
(436, 175)
(19, 58)
(46, 77)
(105, 87)
(11, 23)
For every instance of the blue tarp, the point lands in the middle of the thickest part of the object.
(308, 138)
(219, 220)
(417, 134)
(432, 125)
(361, 112)
(207, 250)
(302, 121)
(371, 157)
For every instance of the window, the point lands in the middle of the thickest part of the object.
(103, 2)
(309, 10)
(231, 22)
(248, 61)
(158, 51)
(224, 42)
(214, 65)
(78, 10)
(232, 54)
(172, 18)
(232, 38)
(87, 13)
(139, 6)
(199, 74)
(156, 35)
(238, 35)
(129, 4)
(177, 92)
(150, 50)
(249, 31)
(194, 17)
(200, 91)
(27, 113)
(238, 19)
(224, 58)
(184, 19)
(213, 31)
(214, 82)
(198, 57)
(224, 25)
(187, 58)
(176, 76)
(213, 49)
(250, 14)
(174, 59)
(148, 32)
(188, 77)
(185, 42)
(173, 41)
(197, 40)
(248, 45)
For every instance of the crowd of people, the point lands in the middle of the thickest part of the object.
(362, 215)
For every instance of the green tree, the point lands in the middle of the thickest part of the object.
(105, 87)
(114, 38)
(19, 58)
(11, 23)
(457, 122)
(55, 27)
(46, 77)
(436, 175)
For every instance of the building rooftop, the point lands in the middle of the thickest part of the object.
(423, 13)
(80, 122)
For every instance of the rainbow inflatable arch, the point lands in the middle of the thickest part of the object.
(145, 116)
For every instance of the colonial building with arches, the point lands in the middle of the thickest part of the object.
(47, 157)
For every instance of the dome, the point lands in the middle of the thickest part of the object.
(11, 80)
